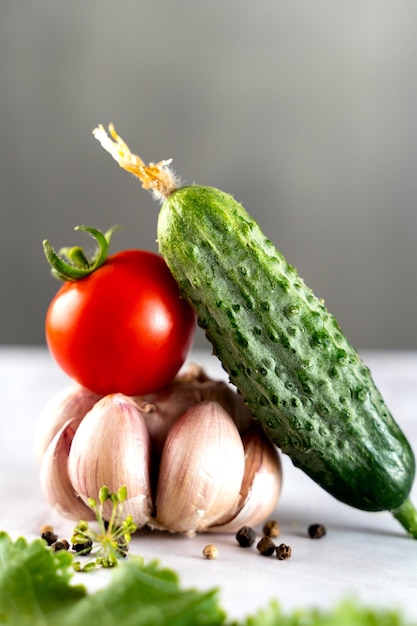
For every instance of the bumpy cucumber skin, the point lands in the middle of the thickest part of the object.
(284, 351)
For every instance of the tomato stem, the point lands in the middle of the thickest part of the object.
(76, 255)
(71, 263)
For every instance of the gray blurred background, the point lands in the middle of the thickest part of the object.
(305, 111)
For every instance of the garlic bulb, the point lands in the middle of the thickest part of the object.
(192, 457)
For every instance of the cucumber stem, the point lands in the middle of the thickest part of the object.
(157, 177)
(406, 514)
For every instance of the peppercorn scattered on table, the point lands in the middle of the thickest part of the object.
(360, 554)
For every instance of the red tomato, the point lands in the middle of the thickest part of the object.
(124, 328)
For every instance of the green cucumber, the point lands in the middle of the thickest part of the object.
(281, 347)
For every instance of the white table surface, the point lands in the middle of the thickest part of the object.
(363, 555)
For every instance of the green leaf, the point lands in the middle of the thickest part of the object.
(34, 582)
(347, 613)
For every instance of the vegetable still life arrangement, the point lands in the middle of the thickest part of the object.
(122, 327)
(143, 438)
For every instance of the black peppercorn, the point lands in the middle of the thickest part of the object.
(266, 546)
(61, 544)
(49, 536)
(85, 547)
(316, 531)
(246, 536)
(283, 552)
(271, 528)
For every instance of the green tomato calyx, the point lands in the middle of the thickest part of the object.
(72, 263)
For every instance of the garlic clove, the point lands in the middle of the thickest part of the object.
(201, 470)
(261, 486)
(70, 403)
(112, 447)
(54, 478)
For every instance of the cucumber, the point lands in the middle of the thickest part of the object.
(282, 349)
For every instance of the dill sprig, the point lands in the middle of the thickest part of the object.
(111, 541)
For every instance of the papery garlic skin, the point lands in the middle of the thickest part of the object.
(71, 403)
(201, 470)
(161, 410)
(112, 447)
(55, 481)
